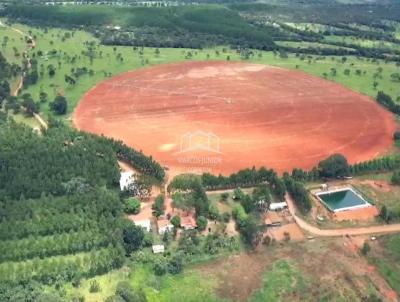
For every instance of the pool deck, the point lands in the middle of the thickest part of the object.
(319, 192)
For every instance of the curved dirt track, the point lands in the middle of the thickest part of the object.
(221, 117)
(379, 229)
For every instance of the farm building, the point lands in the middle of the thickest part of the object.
(276, 206)
(158, 248)
(126, 179)
(188, 223)
(146, 224)
(164, 226)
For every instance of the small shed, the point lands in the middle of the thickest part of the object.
(164, 225)
(158, 248)
(146, 224)
(276, 206)
(126, 179)
(188, 223)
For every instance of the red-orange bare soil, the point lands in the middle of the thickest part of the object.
(221, 117)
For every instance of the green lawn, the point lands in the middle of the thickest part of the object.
(106, 63)
(15, 40)
(390, 199)
(302, 45)
(189, 286)
(363, 42)
(280, 283)
(388, 261)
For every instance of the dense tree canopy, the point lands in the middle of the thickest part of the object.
(334, 166)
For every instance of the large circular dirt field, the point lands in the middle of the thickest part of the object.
(221, 117)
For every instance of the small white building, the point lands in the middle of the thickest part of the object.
(146, 224)
(126, 179)
(276, 206)
(164, 225)
(158, 248)
(324, 187)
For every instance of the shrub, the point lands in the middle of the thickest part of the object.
(132, 206)
(60, 105)
(226, 217)
(160, 267)
(94, 287)
(396, 178)
(334, 166)
(176, 221)
(201, 223)
(365, 248)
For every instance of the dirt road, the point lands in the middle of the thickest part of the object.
(21, 81)
(388, 228)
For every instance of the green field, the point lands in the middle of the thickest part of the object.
(72, 52)
(363, 42)
(189, 286)
(387, 260)
(303, 45)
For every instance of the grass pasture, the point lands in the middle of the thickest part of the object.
(186, 287)
(73, 53)
(386, 257)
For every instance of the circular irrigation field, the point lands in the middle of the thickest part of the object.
(221, 117)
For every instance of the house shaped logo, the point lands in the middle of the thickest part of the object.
(200, 141)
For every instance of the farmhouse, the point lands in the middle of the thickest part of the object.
(188, 223)
(277, 206)
(158, 248)
(164, 226)
(146, 224)
(126, 180)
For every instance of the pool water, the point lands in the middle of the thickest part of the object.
(342, 200)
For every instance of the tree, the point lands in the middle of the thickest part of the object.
(159, 206)
(175, 265)
(365, 248)
(132, 236)
(132, 206)
(396, 178)
(176, 221)
(94, 287)
(125, 291)
(250, 231)
(201, 222)
(160, 267)
(334, 166)
(69, 80)
(30, 106)
(60, 105)
(114, 298)
(43, 97)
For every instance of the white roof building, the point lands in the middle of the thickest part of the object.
(126, 179)
(146, 224)
(158, 248)
(164, 226)
(277, 206)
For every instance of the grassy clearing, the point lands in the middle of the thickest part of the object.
(302, 45)
(363, 42)
(280, 282)
(388, 260)
(189, 286)
(15, 45)
(390, 199)
(106, 63)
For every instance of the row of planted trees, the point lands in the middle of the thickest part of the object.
(68, 268)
